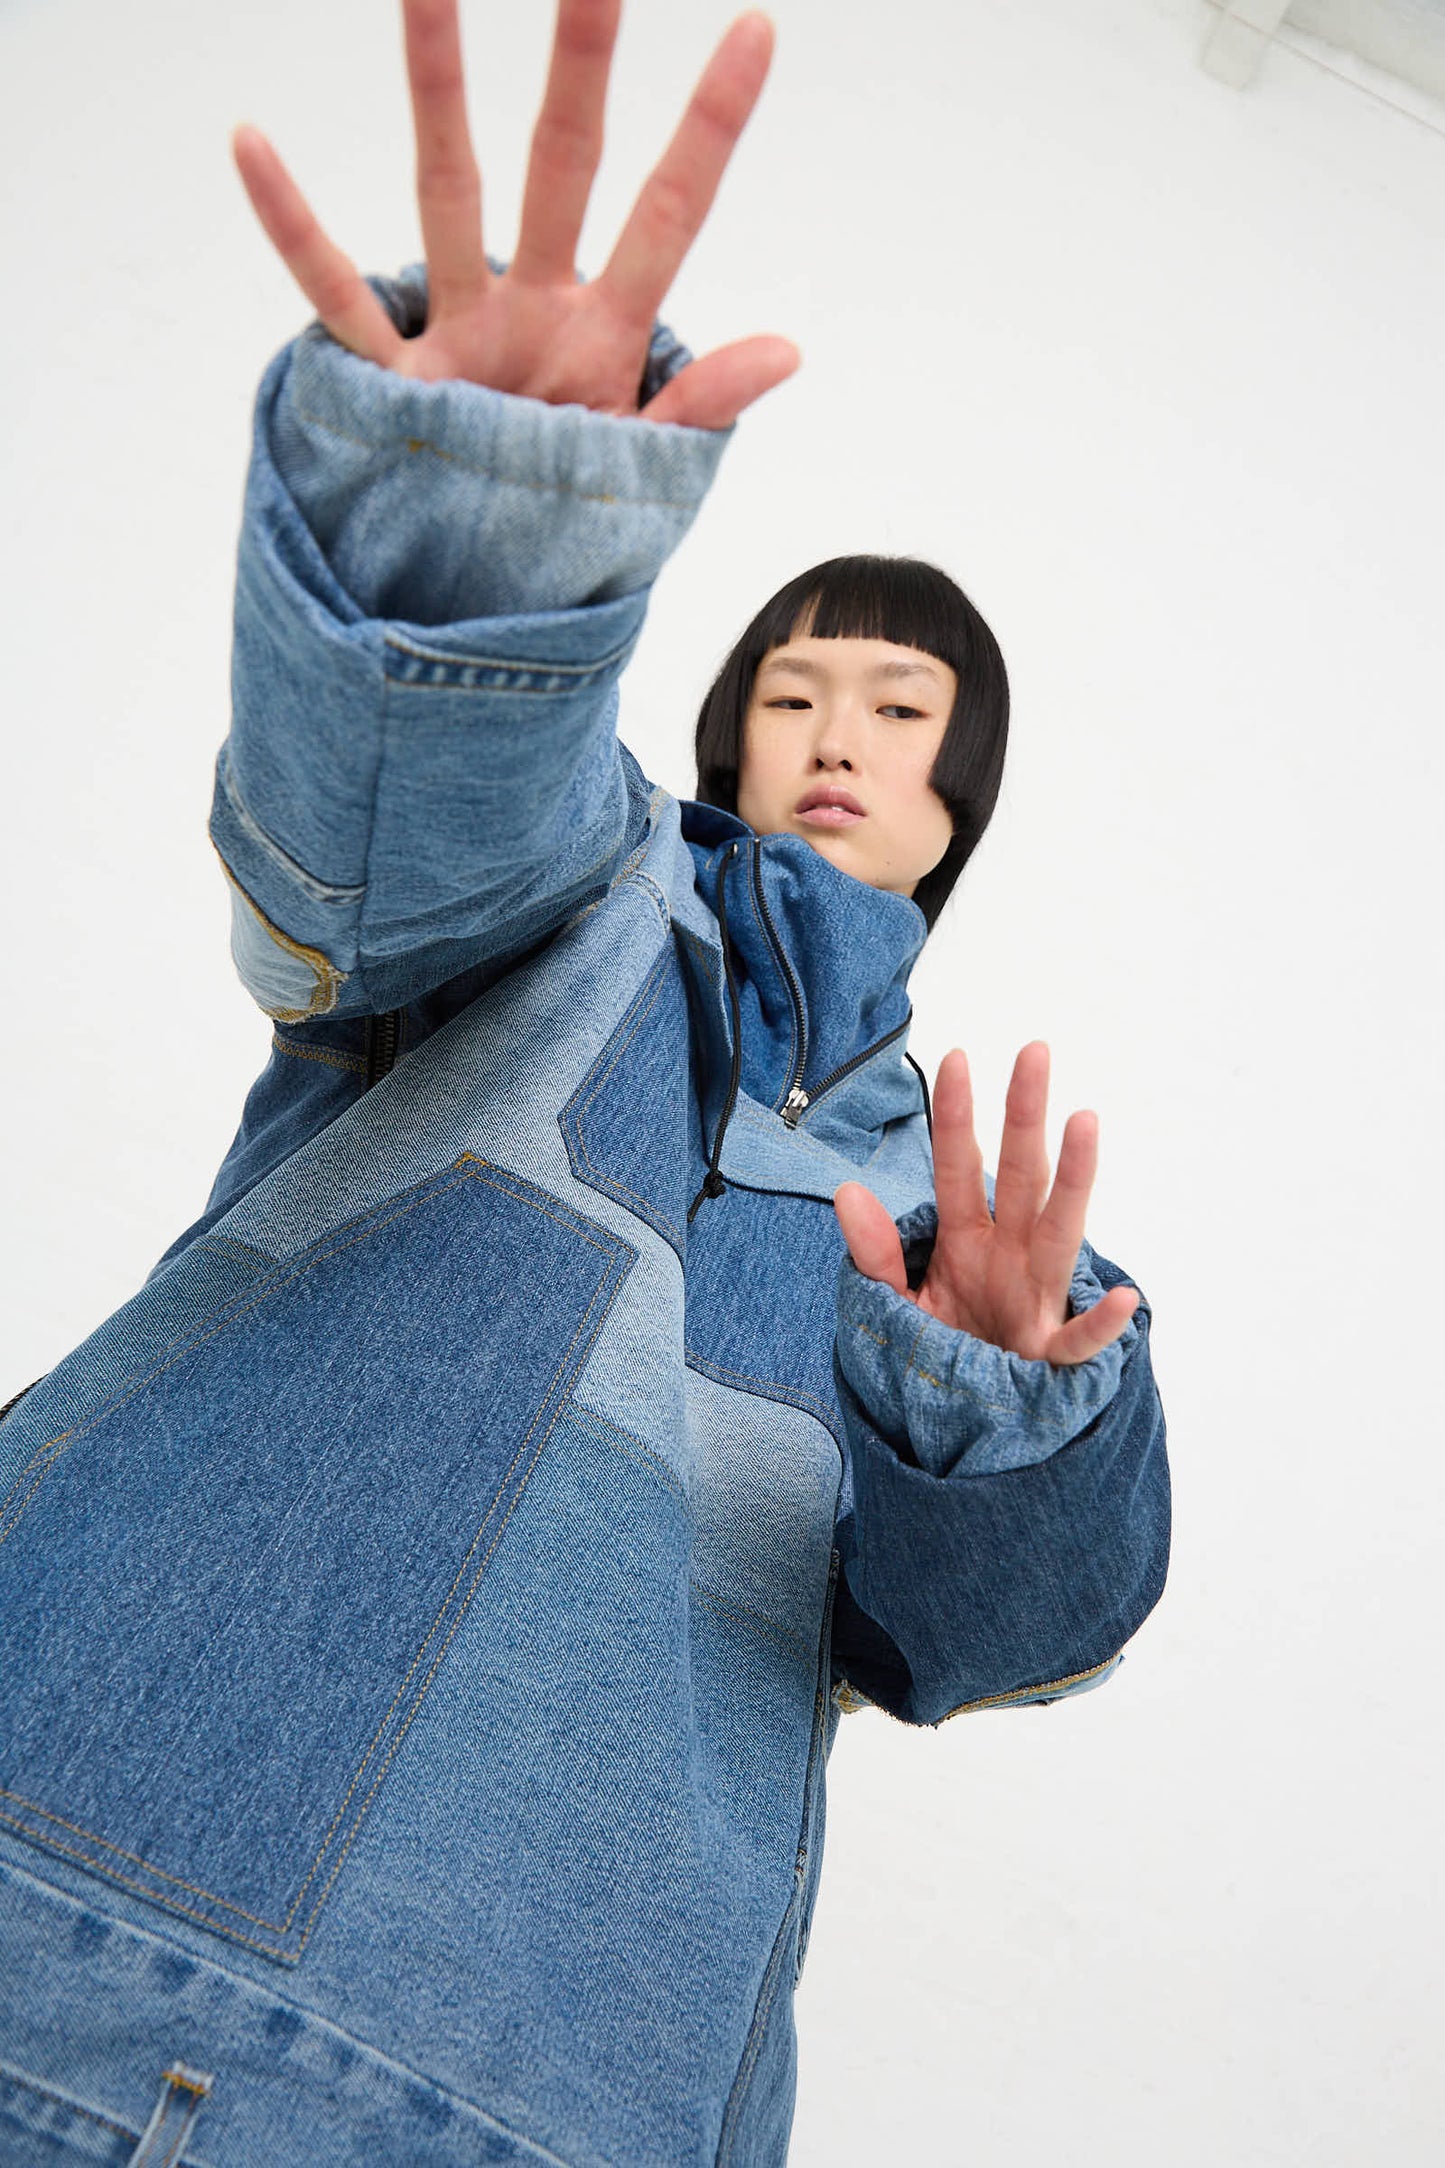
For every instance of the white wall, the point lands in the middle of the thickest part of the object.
(1154, 368)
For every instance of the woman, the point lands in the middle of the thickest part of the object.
(428, 1604)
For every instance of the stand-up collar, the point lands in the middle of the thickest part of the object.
(824, 957)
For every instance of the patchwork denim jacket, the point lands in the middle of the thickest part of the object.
(426, 1607)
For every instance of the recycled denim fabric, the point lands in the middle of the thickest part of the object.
(426, 1607)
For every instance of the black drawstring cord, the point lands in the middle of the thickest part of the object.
(927, 1102)
(713, 1184)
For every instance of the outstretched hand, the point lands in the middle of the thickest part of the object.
(534, 330)
(1004, 1278)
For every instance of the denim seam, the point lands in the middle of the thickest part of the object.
(319, 891)
(332, 1058)
(199, 1890)
(391, 2064)
(59, 1442)
(49, 2093)
(451, 675)
(626, 1443)
(767, 1993)
(767, 1122)
(768, 1388)
(743, 1614)
(389, 443)
(706, 956)
(964, 1391)
(610, 1182)
(1029, 1693)
(329, 980)
(762, 2011)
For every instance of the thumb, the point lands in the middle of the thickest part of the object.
(872, 1239)
(711, 393)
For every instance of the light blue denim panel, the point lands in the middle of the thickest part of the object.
(194, 1286)
(287, 2084)
(491, 1081)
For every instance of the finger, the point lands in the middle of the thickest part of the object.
(330, 281)
(873, 1241)
(448, 184)
(712, 392)
(958, 1183)
(1060, 1229)
(678, 192)
(1023, 1159)
(567, 139)
(1095, 1329)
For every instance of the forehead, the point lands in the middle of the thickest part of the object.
(823, 659)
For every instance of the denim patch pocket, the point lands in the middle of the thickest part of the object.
(225, 1593)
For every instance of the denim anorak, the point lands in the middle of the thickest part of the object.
(427, 1606)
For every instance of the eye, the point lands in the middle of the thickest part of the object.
(789, 700)
(896, 707)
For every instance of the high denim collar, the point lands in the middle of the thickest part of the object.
(824, 958)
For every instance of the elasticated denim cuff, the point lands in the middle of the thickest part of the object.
(955, 1402)
(506, 504)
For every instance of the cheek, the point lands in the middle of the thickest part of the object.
(757, 772)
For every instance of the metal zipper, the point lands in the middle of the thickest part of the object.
(795, 992)
(382, 1034)
(795, 1101)
(798, 1101)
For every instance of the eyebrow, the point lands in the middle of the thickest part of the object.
(801, 668)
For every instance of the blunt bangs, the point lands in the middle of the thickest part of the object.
(912, 604)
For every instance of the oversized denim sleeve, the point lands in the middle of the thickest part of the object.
(438, 587)
(1009, 1523)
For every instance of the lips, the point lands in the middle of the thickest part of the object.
(829, 806)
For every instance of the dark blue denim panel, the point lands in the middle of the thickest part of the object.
(632, 1127)
(224, 1596)
(762, 1273)
(988, 1586)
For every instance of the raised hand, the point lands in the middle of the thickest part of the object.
(1003, 1278)
(534, 330)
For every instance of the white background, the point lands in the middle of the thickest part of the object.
(1154, 368)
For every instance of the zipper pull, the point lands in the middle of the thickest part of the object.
(793, 1105)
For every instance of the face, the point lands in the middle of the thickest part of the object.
(838, 742)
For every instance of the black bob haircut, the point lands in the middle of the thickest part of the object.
(912, 604)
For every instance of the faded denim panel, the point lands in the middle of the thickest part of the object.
(371, 1416)
(93, 2011)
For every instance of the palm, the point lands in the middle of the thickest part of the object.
(1004, 1277)
(534, 330)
